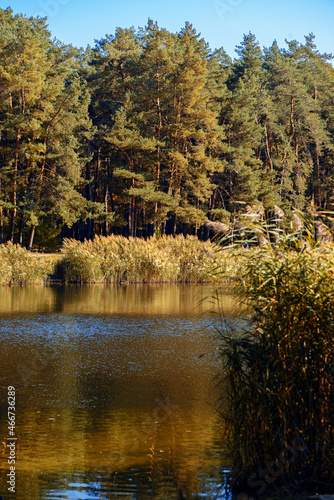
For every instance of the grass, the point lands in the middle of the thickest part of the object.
(117, 259)
(18, 266)
(277, 391)
(113, 259)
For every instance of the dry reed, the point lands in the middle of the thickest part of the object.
(278, 373)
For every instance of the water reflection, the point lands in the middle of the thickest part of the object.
(123, 299)
(114, 392)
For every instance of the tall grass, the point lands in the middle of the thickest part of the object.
(114, 258)
(20, 267)
(278, 374)
(117, 259)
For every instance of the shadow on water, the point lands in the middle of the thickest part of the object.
(114, 392)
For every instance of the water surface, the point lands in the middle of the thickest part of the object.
(114, 392)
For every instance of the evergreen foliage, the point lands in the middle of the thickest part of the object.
(150, 133)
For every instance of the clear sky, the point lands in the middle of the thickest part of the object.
(222, 23)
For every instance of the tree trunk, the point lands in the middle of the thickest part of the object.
(32, 235)
(292, 133)
(174, 225)
(97, 172)
(212, 202)
(157, 172)
(33, 227)
(268, 147)
(106, 210)
(1, 222)
(21, 231)
(1, 227)
(16, 160)
(317, 184)
(132, 217)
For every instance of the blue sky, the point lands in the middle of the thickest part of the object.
(222, 23)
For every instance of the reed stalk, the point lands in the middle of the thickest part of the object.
(277, 381)
(116, 259)
(18, 266)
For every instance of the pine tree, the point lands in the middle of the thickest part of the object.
(242, 115)
(43, 120)
(110, 84)
(192, 130)
(297, 131)
(162, 134)
(317, 76)
(153, 102)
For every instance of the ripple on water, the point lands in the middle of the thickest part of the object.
(112, 405)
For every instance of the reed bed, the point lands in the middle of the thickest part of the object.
(278, 373)
(116, 259)
(167, 259)
(18, 266)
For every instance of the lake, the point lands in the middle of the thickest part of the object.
(115, 394)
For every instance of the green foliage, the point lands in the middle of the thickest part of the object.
(43, 121)
(278, 372)
(149, 131)
(163, 128)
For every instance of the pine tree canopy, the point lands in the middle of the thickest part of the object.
(151, 132)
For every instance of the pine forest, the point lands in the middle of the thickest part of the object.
(152, 133)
